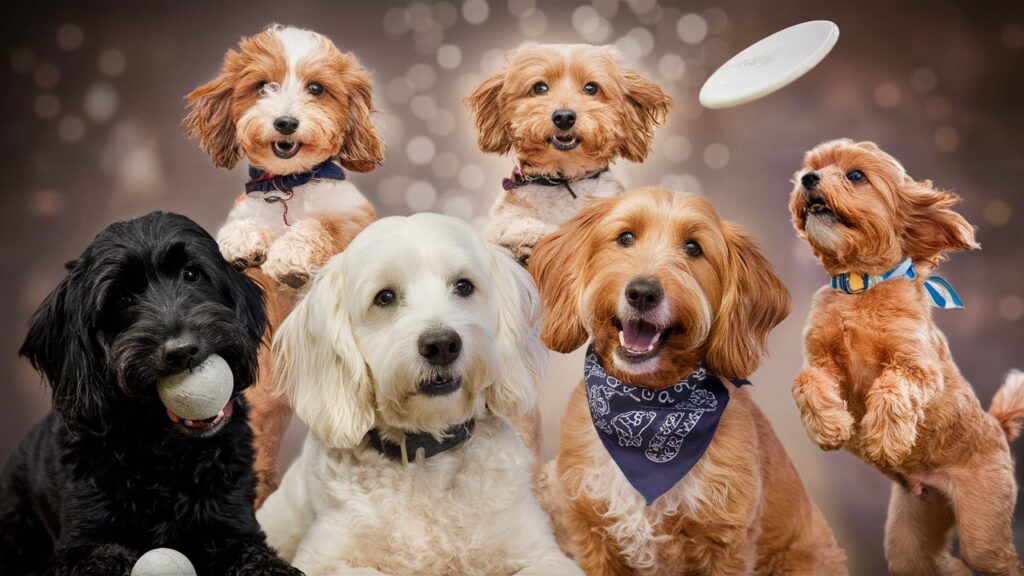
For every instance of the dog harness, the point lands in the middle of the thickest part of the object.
(415, 442)
(655, 436)
(518, 180)
(939, 291)
(280, 188)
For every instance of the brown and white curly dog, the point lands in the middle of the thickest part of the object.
(711, 300)
(879, 378)
(298, 109)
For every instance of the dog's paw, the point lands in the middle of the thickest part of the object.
(830, 429)
(886, 441)
(243, 243)
(823, 411)
(293, 258)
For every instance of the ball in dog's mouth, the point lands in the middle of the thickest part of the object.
(285, 149)
(564, 142)
(639, 339)
(440, 385)
(199, 400)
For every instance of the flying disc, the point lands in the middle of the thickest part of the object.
(769, 64)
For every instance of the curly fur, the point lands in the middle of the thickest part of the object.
(879, 379)
(106, 476)
(350, 364)
(743, 508)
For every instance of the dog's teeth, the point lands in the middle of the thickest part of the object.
(622, 340)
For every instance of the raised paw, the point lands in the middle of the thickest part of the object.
(823, 411)
(244, 243)
(295, 257)
(887, 440)
(830, 429)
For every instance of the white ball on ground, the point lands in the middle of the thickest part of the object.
(198, 394)
(163, 562)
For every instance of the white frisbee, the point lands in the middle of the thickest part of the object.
(769, 64)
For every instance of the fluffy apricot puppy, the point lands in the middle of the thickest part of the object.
(666, 465)
(879, 378)
(567, 111)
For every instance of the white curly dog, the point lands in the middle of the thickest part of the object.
(407, 358)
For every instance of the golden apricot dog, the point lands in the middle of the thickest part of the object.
(879, 378)
(667, 289)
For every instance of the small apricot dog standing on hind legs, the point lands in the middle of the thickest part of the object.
(879, 378)
(666, 465)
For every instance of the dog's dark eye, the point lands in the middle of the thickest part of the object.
(315, 88)
(540, 88)
(626, 239)
(464, 287)
(189, 274)
(692, 248)
(855, 176)
(590, 89)
(125, 299)
(261, 87)
(384, 298)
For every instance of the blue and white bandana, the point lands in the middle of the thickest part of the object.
(939, 291)
(655, 436)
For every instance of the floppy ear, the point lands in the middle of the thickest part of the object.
(485, 106)
(523, 356)
(931, 226)
(363, 148)
(319, 366)
(209, 119)
(61, 345)
(647, 106)
(754, 301)
(556, 264)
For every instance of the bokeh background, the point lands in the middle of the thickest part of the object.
(93, 102)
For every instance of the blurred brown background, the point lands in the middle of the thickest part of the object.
(92, 95)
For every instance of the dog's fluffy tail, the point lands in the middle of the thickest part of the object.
(1008, 405)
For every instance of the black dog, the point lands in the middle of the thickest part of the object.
(108, 475)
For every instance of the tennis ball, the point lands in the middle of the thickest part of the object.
(198, 394)
(163, 562)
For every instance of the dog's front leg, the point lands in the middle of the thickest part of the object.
(93, 559)
(553, 563)
(818, 395)
(517, 232)
(894, 405)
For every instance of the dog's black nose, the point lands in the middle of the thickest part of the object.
(564, 119)
(286, 124)
(440, 347)
(810, 180)
(180, 353)
(644, 293)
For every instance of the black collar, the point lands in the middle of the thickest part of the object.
(416, 441)
(518, 180)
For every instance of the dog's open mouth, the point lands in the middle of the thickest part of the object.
(285, 149)
(440, 385)
(639, 340)
(817, 206)
(207, 427)
(564, 142)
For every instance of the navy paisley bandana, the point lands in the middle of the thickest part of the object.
(655, 436)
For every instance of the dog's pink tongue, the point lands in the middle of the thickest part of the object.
(639, 335)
